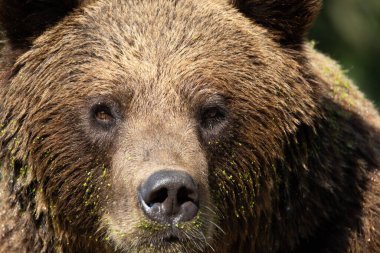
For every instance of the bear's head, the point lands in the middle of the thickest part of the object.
(155, 126)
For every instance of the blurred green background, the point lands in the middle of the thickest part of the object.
(349, 32)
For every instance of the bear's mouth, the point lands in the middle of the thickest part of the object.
(171, 239)
(167, 240)
(168, 237)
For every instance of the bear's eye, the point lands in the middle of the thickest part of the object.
(102, 115)
(212, 117)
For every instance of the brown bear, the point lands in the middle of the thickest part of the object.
(180, 126)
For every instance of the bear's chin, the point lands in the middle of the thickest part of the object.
(168, 243)
(152, 237)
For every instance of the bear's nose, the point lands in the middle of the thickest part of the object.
(170, 197)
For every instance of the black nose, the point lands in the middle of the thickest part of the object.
(170, 197)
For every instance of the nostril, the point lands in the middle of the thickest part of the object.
(158, 196)
(184, 195)
(169, 196)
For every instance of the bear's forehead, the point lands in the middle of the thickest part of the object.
(164, 31)
(180, 45)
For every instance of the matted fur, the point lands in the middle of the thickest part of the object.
(292, 166)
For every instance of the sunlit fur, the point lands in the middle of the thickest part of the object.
(293, 167)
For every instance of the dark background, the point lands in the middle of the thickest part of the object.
(349, 32)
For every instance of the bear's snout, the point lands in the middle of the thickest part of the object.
(169, 197)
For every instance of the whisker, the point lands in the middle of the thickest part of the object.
(207, 243)
(211, 210)
(195, 235)
(217, 226)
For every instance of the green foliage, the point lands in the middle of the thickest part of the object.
(349, 32)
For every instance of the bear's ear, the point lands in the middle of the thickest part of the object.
(289, 19)
(23, 20)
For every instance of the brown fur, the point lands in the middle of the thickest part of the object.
(292, 165)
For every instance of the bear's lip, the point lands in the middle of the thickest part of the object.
(171, 239)
(171, 236)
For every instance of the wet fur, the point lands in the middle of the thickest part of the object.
(294, 169)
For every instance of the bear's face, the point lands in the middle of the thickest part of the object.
(154, 125)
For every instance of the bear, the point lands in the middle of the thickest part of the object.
(181, 126)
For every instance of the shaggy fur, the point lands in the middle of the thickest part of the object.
(284, 148)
